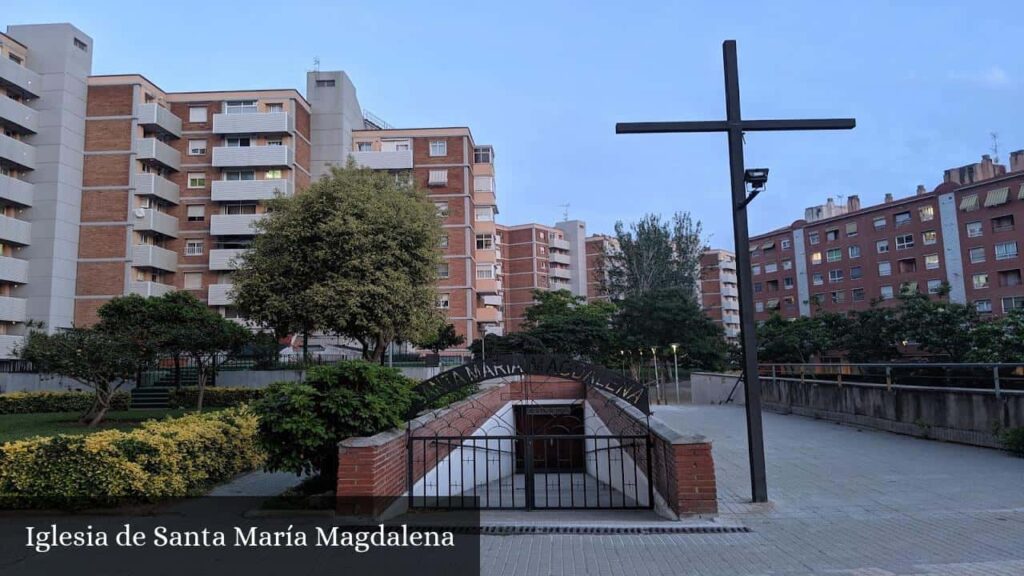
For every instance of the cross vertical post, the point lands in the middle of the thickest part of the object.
(734, 126)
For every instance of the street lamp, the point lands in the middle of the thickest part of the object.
(657, 380)
(622, 362)
(675, 361)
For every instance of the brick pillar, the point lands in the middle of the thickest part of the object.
(695, 479)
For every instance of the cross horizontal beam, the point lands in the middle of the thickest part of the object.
(744, 125)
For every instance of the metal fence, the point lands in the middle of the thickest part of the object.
(995, 378)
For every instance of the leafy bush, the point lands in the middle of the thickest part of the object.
(160, 459)
(40, 402)
(302, 422)
(1013, 439)
(213, 397)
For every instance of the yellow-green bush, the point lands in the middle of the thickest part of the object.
(160, 459)
(39, 402)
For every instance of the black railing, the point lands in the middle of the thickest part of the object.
(968, 376)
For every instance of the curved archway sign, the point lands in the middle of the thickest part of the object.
(591, 375)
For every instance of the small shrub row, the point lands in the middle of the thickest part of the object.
(160, 459)
(1013, 440)
(213, 397)
(40, 402)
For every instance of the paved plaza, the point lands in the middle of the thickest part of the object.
(844, 501)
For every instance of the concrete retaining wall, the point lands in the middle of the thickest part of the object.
(712, 388)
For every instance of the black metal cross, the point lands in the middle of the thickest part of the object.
(735, 127)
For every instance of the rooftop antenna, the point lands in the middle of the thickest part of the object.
(565, 211)
(316, 66)
(995, 146)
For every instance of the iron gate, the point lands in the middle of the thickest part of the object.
(531, 471)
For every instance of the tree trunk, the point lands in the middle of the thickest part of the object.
(86, 416)
(305, 345)
(100, 407)
(177, 371)
(201, 383)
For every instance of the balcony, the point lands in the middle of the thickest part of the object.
(233, 224)
(489, 315)
(15, 191)
(149, 256)
(156, 117)
(147, 289)
(487, 286)
(485, 256)
(484, 199)
(491, 300)
(147, 184)
(394, 160)
(15, 231)
(13, 270)
(21, 79)
(730, 319)
(730, 291)
(152, 220)
(17, 114)
(153, 150)
(224, 259)
(254, 123)
(8, 344)
(241, 156)
(219, 295)
(560, 244)
(560, 258)
(484, 227)
(727, 265)
(17, 152)
(12, 309)
(239, 190)
(563, 273)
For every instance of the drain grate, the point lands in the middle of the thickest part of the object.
(608, 530)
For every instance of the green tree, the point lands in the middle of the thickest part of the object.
(567, 324)
(999, 339)
(871, 335)
(669, 316)
(136, 321)
(301, 423)
(654, 254)
(937, 326)
(99, 360)
(356, 254)
(799, 340)
(514, 343)
(441, 338)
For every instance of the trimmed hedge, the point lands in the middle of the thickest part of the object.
(40, 402)
(1013, 440)
(160, 459)
(213, 397)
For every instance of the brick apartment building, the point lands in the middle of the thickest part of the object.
(962, 233)
(110, 185)
(719, 291)
(596, 247)
(533, 257)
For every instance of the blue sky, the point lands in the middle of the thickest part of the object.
(545, 83)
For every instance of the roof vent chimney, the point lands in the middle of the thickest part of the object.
(853, 203)
(888, 197)
(921, 189)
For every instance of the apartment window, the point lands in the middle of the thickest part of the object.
(756, 268)
(901, 219)
(275, 142)
(813, 238)
(904, 241)
(856, 273)
(973, 229)
(882, 246)
(835, 276)
(754, 253)
(193, 280)
(969, 203)
(484, 214)
(758, 287)
(240, 107)
(443, 270)
(853, 251)
(759, 306)
(364, 146)
(1013, 303)
(80, 45)
(274, 174)
(980, 281)
(197, 113)
(769, 268)
(907, 265)
(444, 241)
(442, 209)
(786, 244)
(929, 237)
(325, 83)
(484, 242)
(483, 184)
(444, 300)
(196, 147)
(787, 282)
(14, 58)
(934, 286)
(885, 269)
(787, 264)
(816, 258)
(908, 288)
(834, 255)
(239, 209)
(818, 279)
(482, 155)
(1002, 223)
(237, 175)
(193, 248)
(438, 148)
(838, 297)
(926, 213)
(485, 271)
(886, 292)
(239, 142)
(851, 229)
(195, 212)
(438, 178)
(983, 306)
(197, 180)
(1009, 278)
(977, 255)
(1006, 250)
(275, 108)
(832, 235)
(879, 223)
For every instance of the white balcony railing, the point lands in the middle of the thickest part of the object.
(9, 344)
(152, 220)
(17, 152)
(379, 160)
(254, 123)
(13, 270)
(12, 309)
(149, 184)
(560, 258)
(18, 114)
(24, 80)
(149, 256)
(491, 300)
(233, 224)
(219, 295)
(560, 244)
(148, 289)
(153, 150)
(240, 156)
(160, 118)
(564, 273)
(225, 258)
(15, 231)
(15, 191)
(240, 190)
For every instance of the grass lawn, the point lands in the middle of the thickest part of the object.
(18, 426)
